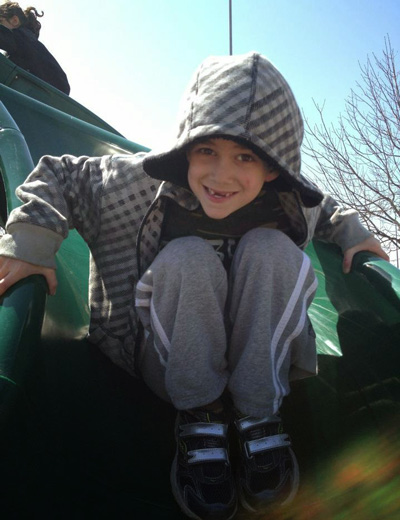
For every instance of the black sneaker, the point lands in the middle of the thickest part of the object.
(201, 476)
(268, 471)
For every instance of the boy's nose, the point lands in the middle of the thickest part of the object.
(221, 172)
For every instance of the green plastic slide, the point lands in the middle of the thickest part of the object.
(81, 439)
(28, 84)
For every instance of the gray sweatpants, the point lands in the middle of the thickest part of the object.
(205, 333)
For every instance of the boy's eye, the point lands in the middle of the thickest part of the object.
(245, 157)
(204, 150)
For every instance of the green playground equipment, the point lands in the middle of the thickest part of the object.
(81, 439)
(28, 84)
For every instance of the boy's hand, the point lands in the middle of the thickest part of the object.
(371, 244)
(13, 270)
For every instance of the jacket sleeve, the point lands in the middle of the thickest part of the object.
(7, 40)
(340, 226)
(60, 194)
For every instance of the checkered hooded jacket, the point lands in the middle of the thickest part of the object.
(117, 203)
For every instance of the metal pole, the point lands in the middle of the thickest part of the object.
(230, 27)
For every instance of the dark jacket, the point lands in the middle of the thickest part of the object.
(26, 51)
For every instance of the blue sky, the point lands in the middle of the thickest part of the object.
(129, 60)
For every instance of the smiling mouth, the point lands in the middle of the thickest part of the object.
(219, 194)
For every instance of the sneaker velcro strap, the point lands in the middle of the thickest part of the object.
(252, 422)
(271, 442)
(208, 455)
(207, 429)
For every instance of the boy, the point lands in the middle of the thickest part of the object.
(214, 258)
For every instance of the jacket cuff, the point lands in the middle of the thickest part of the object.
(352, 234)
(30, 243)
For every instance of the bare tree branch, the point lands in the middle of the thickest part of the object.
(357, 160)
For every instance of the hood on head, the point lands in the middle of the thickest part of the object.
(244, 98)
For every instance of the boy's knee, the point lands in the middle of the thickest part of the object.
(188, 260)
(188, 253)
(262, 240)
(263, 248)
(189, 247)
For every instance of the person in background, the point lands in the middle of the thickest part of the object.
(19, 38)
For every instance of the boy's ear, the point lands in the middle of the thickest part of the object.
(270, 175)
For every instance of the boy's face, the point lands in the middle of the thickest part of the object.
(225, 175)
